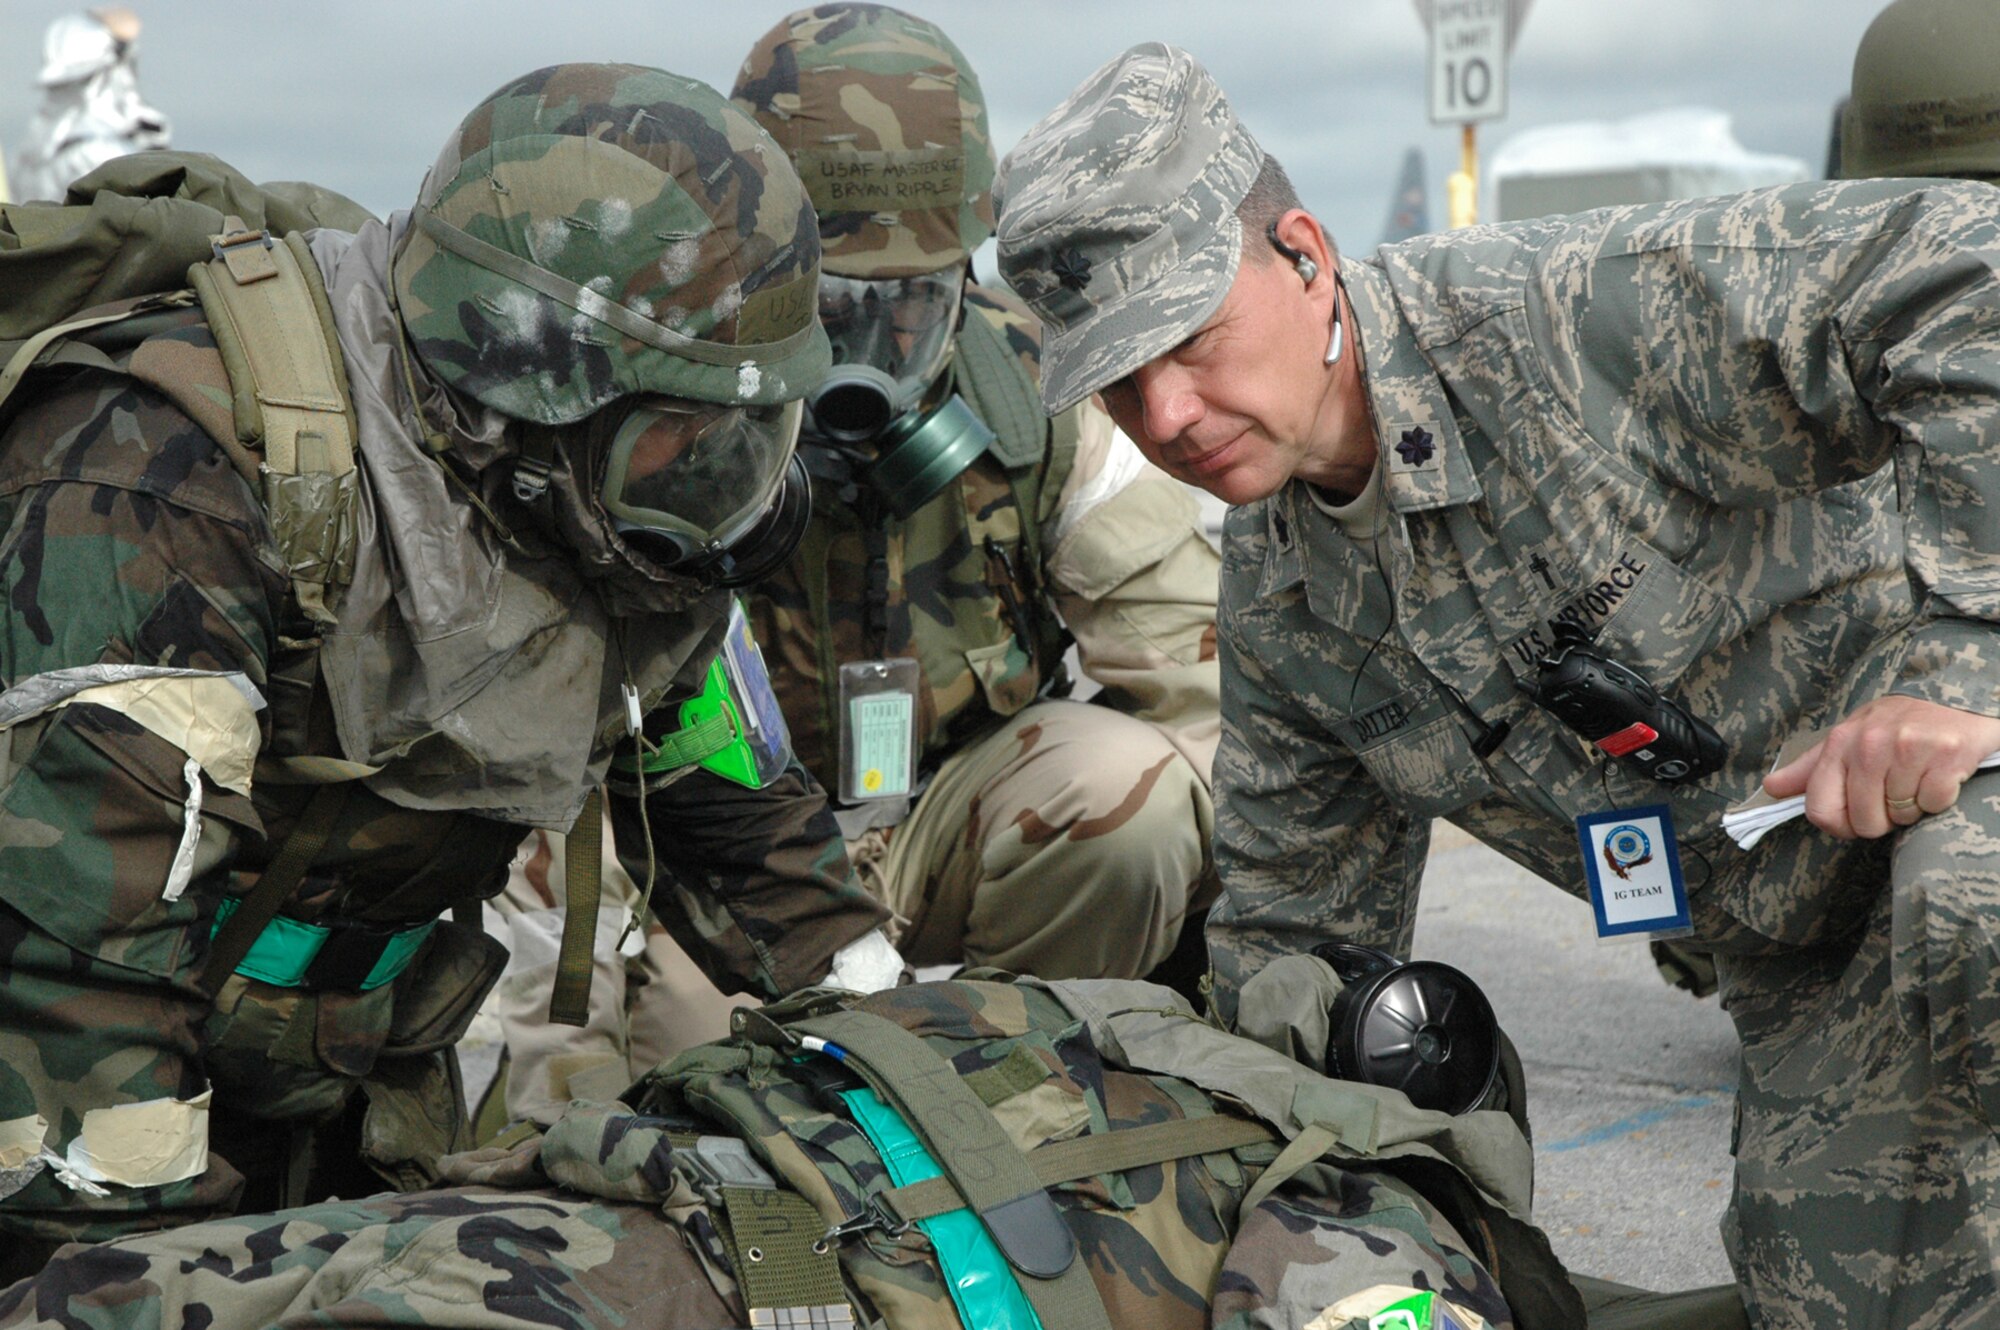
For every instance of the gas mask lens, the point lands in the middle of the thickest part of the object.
(891, 338)
(706, 489)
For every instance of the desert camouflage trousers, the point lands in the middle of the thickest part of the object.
(1070, 843)
(1867, 1161)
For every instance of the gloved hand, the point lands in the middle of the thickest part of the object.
(868, 964)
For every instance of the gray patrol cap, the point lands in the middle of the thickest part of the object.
(1118, 217)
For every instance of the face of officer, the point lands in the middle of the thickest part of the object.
(1249, 401)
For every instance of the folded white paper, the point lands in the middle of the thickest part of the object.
(1748, 821)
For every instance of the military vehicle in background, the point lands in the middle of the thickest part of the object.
(1677, 153)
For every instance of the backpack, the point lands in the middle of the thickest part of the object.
(1101, 1132)
(143, 239)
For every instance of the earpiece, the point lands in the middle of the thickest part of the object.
(1334, 343)
(1307, 268)
(1307, 271)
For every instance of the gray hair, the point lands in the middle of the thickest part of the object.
(1271, 196)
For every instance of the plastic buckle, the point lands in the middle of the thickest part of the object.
(347, 957)
(531, 479)
(247, 255)
(715, 1162)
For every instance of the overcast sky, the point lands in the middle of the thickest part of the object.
(358, 95)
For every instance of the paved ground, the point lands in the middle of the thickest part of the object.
(1630, 1082)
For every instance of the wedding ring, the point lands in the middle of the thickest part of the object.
(1901, 804)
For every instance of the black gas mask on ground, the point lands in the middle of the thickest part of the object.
(892, 338)
(1421, 1027)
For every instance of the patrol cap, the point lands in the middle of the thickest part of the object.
(1118, 216)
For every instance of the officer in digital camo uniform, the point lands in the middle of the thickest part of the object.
(1746, 446)
(762, 1183)
(957, 537)
(363, 684)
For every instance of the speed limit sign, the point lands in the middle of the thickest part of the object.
(1468, 78)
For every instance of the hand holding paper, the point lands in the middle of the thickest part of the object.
(1893, 761)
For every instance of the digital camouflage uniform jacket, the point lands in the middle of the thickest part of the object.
(131, 535)
(1110, 549)
(1746, 444)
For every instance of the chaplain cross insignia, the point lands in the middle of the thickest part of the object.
(1072, 269)
(1416, 446)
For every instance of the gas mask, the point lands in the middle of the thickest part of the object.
(713, 492)
(891, 339)
(1421, 1027)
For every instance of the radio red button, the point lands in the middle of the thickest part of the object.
(1634, 736)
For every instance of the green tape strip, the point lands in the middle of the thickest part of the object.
(285, 949)
(982, 1286)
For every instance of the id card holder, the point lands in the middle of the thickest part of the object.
(762, 723)
(878, 728)
(1633, 864)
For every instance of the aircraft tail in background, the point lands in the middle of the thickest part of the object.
(1409, 206)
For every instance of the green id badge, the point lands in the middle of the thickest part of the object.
(878, 728)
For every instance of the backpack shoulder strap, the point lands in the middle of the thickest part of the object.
(976, 1154)
(273, 327)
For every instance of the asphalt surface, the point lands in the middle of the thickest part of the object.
(1630, 1082)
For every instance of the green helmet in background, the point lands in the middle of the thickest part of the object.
(592, 231)
(1926, 96)
(886, 123)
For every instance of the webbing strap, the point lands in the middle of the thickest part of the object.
(29, 351)
(295, 372)
(978, 1157)
(289, 396)
(1000, 391)
(983, 1288)
(776, 1242)
(281, 877)
(1086, 1156)
(583, 885)
(1305, 1148)
(685, 747)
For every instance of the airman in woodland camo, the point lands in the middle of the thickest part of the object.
(315, 607)
(959, 542)
(959, 532)
(1741, 447)
(766, 1181)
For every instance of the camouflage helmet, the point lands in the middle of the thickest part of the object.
(1926, 98)
(593, 231)
(886, 123)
